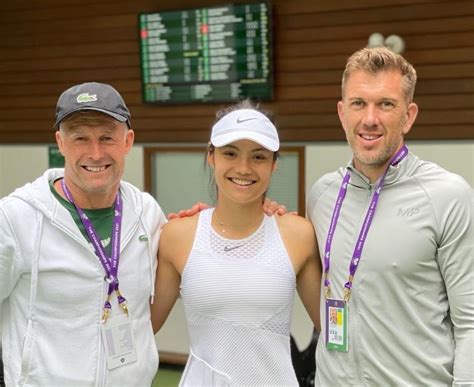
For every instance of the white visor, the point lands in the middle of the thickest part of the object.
(245, 124)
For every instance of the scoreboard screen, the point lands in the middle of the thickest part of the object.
(215, 54)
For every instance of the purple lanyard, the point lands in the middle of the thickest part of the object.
(399, 156)
(110, 264)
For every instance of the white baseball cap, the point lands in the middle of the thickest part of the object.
(245, 124)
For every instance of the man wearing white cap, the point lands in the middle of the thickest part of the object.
(236, 268)
(78, 257)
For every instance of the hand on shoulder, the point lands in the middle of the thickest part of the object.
(272, 207)
(196, 208)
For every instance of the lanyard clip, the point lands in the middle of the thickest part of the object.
(348, 288)
(123, 305)
(107, 308)
(327, 291)
(105, 315)
(347, 294)
(327, 286)
(122, 301)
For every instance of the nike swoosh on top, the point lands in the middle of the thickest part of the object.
(227, 249)
(242, 120)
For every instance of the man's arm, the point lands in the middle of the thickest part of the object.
(456, 260)
(9, 256)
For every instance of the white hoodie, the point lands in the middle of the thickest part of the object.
(53, 290)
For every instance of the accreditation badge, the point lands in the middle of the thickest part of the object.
(117, 335)
(336, 325)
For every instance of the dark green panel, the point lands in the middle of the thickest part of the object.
(207, 54)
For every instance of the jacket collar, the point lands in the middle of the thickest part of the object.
(402, 170)
(39, 195)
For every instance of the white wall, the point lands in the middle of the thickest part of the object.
(455, 156)
(21, 164)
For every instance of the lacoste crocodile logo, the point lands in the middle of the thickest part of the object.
(86, 97)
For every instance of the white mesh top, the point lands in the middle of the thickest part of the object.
(238, 299)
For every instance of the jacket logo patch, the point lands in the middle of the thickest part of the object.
(408, 211)
(143, 238)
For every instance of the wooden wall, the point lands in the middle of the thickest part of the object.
(49, 45)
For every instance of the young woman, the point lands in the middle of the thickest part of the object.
(236, 268)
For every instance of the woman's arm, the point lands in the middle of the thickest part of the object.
(300, 241)
(309, 283)
(175, 244)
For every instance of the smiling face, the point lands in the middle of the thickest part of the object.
(376, 116)
(242, 171)
(94, 160)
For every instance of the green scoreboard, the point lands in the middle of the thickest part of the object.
(216, 54)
